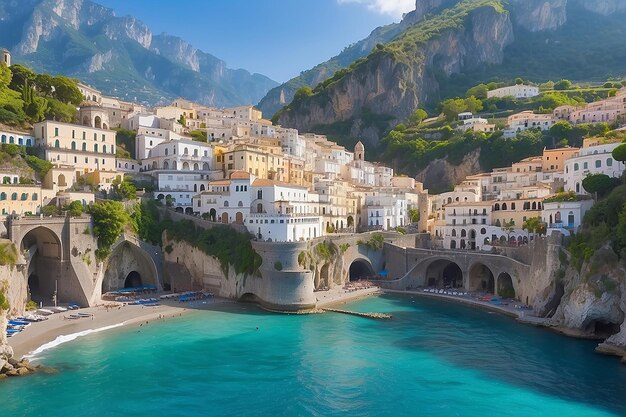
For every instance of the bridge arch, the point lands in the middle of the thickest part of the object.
(359, 269)
(442, 273)
(481, 278)
(129, 266)
(504, 285)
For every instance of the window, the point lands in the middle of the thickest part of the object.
(3, 196)
(598, 163)
(56, 144)
(585, 165)
(609, 162)
(95, 136)
(73, 134)
(73, 145)
(576, 167)
(14, 196)
(84, 147)
(56, 131)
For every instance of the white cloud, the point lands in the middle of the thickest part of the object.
(391, 7)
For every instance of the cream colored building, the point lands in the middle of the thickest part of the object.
(84, 148)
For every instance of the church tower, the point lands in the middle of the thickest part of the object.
(359, 151)
(6, 57)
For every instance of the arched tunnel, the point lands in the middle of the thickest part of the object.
(360, 270)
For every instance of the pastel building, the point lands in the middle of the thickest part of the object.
(596, 159)
(519, 91)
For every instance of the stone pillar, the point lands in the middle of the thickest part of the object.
(424, 210)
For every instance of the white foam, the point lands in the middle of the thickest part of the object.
(68, 338)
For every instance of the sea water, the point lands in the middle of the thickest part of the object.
(433, 358)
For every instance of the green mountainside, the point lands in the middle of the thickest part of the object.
(120, 55)
(451, 50)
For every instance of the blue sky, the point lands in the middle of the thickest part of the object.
(277, 38)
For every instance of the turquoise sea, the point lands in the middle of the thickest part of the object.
(433, 359)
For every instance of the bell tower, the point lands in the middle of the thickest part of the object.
(359, 151)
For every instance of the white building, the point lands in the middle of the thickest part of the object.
(519, 91)
(271, 210)
(565, 216)
(596, 159)
(17, 138)
(526, 120)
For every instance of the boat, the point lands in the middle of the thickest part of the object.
(58, 309)
(44, 312)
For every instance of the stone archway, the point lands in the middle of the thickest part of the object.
(129, 266)
(444, 273)
(481, 278)
(505, 285)
(239, 217)
(212, 215)
(360, 269)
(225, 218)
(45, 275)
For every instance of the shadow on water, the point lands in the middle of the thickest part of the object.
(497, 347)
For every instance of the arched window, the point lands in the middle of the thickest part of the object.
(609, 162)
(463, 233)
(167, 151)
(3, 196)
(12, 140)
(84, 147)
(259, 208)
(504, 206)
(453, 232)
(57, 144)
(570, 218)
(104, 149)
(186, 151)
(14, 196)
(534, 205)
(483, 231)
(95, 147)
(24, 196)
(73, 145)
(496, 207)
(196, 167)
(576, 167)
(226, 203)
(512, 206)
(4, 138)
(453, 244)
(35, 197)
(240, 204)
(195, 152)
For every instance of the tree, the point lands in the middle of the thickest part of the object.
(123, 190)
(66, 91)
(182, 120)
(21, 74)
(452, 107)
(480, 91)
(75, 208)
(473, 104)
(598, 184)
(43, 84)
(533, 225)
(519, 81)
(563, 85)
(5, 76)
(414, 215)
(619, 153)
(418, 117)
(109, 220)
(303, 92)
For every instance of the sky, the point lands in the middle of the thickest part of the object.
(277, 38)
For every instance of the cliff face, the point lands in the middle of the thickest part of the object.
(594, 299)
(440, 54)
(393, 87)
(120, 55)
(441, 174)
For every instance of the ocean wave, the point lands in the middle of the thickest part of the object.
(68, 338)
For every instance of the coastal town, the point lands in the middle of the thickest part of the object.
(289, 186)
(367, 207)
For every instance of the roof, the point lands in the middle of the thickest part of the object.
(270, 183)
(220, 182)
(239, 175)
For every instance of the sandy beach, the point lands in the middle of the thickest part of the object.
(58, 329)
(41, 334)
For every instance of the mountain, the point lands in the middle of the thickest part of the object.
(449, 46)
(282, 95)
(120, 55)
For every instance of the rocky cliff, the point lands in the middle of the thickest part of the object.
(399, 77)
(120, 55)
(449, 46)
(284, 93)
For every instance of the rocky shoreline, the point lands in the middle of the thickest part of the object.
(15, 368)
